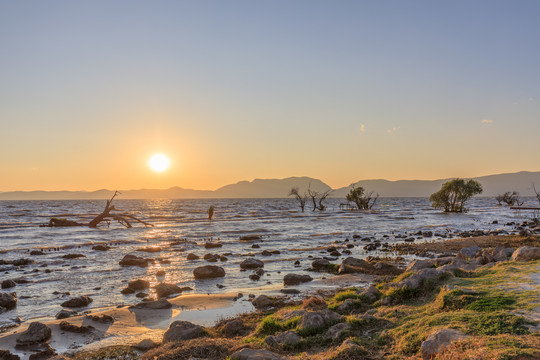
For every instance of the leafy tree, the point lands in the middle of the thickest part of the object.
(454, 194)
(300, 198)
(363, 200)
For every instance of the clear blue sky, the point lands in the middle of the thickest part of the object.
(235, 90)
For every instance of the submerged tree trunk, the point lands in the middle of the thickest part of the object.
(123, 218)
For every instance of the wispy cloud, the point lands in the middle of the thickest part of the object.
(486, 121)
(394, 129)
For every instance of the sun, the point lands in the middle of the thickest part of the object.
(159, 162)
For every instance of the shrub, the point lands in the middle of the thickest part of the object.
(454, 194)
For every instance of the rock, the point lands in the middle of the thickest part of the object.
(251, 263)
(419, 265)
(8, 300)
(288, 337)
(501, 253)
(65, 326)
(73, 256)
(101, 247)
(266, 253)
(6, 355)
(208, 272)
(234, 327)
(145, 345)
(526, 253)
(262, 302)
(353, 265)
(139, 284)
(255, 354)
(315, 320)
(290, 291)
(36, 333)
(46, 354)
(468, 252)
(80, 301)
(372, 293)
(335, 332)
(141, 295)
(64, 314)
(160, 273)
(250, 238)
(132, 260)
(254, 277)
(164, 289)
(36, 253)
(183, 330)
(295, 279)
(104, 319)
(347, 306)
(484, 257)
(127, 291)
(210, 245)
(438, 340)
(320, 264)
(156, 305)
(314, 303)
(6, 284)
(443, 260)
(192, 256)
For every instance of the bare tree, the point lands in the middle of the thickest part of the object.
(510, 198)
(317, 198)
(537, 193)
(300, 198)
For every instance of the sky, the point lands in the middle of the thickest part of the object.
(237, 90)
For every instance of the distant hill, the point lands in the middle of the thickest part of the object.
(279, 188)
(492, 184)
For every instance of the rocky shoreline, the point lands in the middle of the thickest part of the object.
(349, 323)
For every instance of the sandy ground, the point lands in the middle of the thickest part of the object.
(132, 325)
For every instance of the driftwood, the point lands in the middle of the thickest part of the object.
(123, 218)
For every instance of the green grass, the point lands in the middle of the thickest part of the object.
(271, 325)
(499, 323)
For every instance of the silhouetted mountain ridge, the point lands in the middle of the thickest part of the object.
(279, 188)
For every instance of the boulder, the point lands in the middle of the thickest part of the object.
(526, 253)
(438, 340)
(73, 256)
(183, 330)
(468, 252)
(104, 319)
(8, 300)
(250, 238)
(192, 256)
(353, 265)
(164, 289)
(501, 253)
(234, 327)
(37, 252)
(318, 264)
(46, 354)
(208, 272)
(288, 338)
(335, 332)
(211, 245)
(79, 301)
(64, 314)
(6, 355)
(65, 326)
(419, 265)
(295, 279)
(255, 354)
(314, 320)
(132, 260)
(156, 305)
(484, 257)
(6, 284)
(347, 306)
(101, 247)
(139, 284)
(251, 263)
(372, 293)
(145, 345)
(262, 302)
(36, 333)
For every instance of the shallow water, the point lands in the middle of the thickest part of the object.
(181, 227)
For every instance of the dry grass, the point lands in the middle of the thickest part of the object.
(205, 348)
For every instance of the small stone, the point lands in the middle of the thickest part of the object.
(251, 263)
(192, 256)
(6, 284)
(64, 314)
(262, 302)
(36, 333)
(255, 354)
(438, 340)
(80, 301)
(183, 330)
(234, 327)
(208, 272)
(295, 279)
(145, 345)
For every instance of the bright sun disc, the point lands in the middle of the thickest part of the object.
(159, 162)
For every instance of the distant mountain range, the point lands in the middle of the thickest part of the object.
(279, 188)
